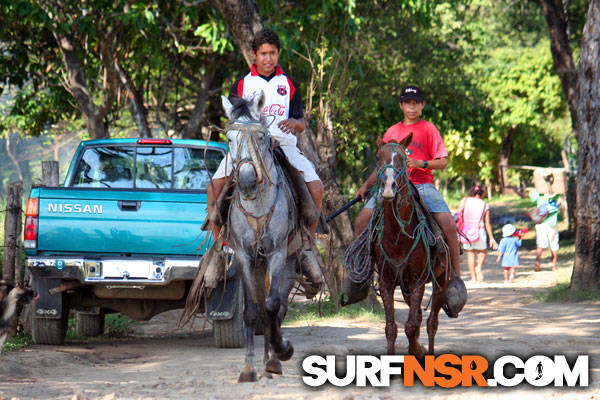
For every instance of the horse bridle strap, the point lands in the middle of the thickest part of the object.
(251, 129)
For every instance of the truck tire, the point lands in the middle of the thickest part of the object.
(48, 330)
(229, 333)
(88, 324)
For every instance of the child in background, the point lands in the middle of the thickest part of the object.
(507, 250)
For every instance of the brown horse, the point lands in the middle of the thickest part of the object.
(405, 251)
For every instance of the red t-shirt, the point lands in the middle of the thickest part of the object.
(427, 144)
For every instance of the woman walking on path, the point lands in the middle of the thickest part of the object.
(476, 217)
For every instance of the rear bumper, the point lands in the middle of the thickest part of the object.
(124, 271)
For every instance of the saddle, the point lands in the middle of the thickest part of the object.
(358, 257)
(299, 240)
(435, 235)
(305, 205)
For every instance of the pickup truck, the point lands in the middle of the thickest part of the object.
(123, 234)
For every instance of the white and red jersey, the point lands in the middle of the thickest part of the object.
(282, 100)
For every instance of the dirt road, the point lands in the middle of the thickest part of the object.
(166, 362)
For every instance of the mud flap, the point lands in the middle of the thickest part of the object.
(47, 306)
(222, 303)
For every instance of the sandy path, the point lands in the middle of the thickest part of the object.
(165, 362)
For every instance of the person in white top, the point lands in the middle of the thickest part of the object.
(284, 104)
(476, 216)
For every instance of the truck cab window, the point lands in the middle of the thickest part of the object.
(192, 170)
(105, 167)
(154, 166)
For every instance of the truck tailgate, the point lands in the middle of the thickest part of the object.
(121, 221)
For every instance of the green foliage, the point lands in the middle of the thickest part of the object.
(485, 66)
(17, 342)
(308, 312)
(562, 293)
(116, 325)
(119, 325)
(165, 49)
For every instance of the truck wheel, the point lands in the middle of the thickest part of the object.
(230, 332)
(88, 324)
(49, 331)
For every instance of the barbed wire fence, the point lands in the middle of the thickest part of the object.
(12, 261)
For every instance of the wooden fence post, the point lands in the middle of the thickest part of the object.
(12, 231)
(11, 261)
(50, 173)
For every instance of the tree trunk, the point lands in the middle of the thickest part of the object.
(77, 86)
(504, 157)
(11, 154)
(558, 27)
(243, 20)
(193, 127)
(137, 107)
(586, 270)
(75, 82)
(322, 152)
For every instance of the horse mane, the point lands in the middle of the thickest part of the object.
(241, 109)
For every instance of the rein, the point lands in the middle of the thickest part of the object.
(249, 137)
(420, 231)
(249, 131)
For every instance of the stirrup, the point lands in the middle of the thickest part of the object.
(455, 297)
(310, 267)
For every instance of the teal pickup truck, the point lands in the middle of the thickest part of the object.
(123, 234)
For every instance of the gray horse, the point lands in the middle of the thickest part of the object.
(261, 219)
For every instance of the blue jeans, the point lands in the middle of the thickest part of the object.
(434, 200)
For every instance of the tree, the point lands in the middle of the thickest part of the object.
(164, 61)
(586, 268)
(243, 19)
(582, 92)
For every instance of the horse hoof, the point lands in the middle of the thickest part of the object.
(247, 376)
(266, 375)
(273, 366)
(287, 351)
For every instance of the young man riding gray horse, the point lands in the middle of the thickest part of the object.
(283, 110)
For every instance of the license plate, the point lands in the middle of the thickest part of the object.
(127, 270)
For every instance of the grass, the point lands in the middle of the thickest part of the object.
(116, 325)
(561, 293)
(308, 312)
(18, 342)
(119, 325)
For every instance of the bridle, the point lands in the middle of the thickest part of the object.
(400, 171)
(249, 137)
(249, 132)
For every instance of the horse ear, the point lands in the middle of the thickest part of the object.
(261, 101)
(379, 142)
(258, 104)
(407, 140)
(227, 106)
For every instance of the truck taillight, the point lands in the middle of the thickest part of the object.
(31, 224)
(154, 141)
